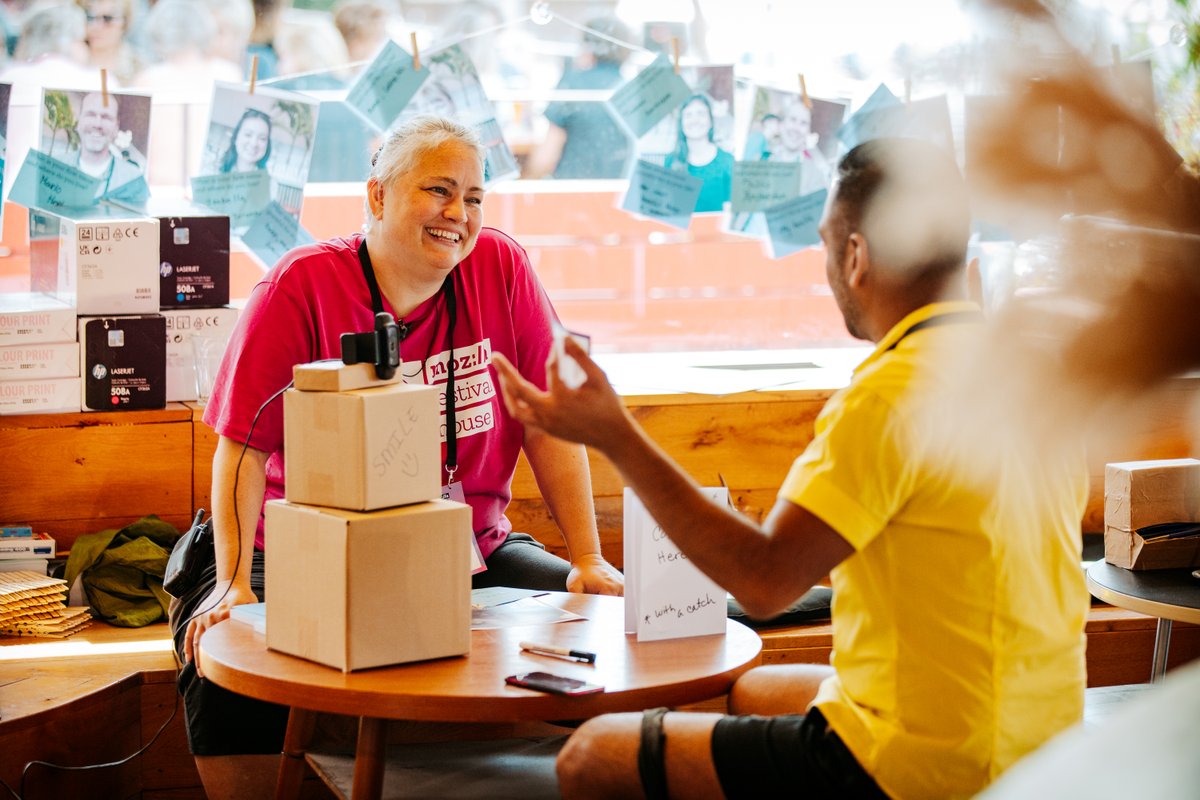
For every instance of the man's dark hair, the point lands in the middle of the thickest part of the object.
(908, 199)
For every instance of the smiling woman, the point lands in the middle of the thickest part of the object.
(460, 292)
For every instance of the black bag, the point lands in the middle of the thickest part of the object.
(193, 553)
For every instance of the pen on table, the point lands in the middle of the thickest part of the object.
(560, 652)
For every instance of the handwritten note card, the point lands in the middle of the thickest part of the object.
(47, 183)
(666, 597)
(239, 195)
(652, 94)
(663, 194)
(758, 185)
(385, 87)
(792, 224)
(135, 191)
(863, 125)
(273, 233)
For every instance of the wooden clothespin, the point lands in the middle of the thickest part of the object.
(104, 87)
(804, 93)
(253, 72)
(412, 38)
(675, 52)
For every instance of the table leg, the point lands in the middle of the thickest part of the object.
(300, 727)
(369, 758)
(1162, 642)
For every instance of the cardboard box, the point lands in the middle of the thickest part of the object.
(106, 260)
(35, 318)
(363, 449)
(45, 396)
(354, 591)
(1129, 550)
(181, 324)
(123, 362)
(1141, 493)
(331, 375)
(21, 361)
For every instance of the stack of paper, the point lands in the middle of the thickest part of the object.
(32, 604)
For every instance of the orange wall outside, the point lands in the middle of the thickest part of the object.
(634, 285)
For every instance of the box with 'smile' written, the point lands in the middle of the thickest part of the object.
(362, 449)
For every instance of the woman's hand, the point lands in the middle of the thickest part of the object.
(215, 608)
(591, 574)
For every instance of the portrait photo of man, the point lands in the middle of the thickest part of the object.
(104, 135)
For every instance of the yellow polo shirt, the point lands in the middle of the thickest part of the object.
(958, 621)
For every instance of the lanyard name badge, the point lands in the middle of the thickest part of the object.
(452, 490)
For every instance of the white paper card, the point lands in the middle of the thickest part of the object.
(666, 596)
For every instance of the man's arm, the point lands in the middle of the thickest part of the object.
(764, 568)
(562, 474)
(232, 558)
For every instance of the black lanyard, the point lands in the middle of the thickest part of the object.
(364, 258)
(951, 318)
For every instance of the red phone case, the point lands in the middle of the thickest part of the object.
(553, 684)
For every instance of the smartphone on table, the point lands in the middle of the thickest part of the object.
(554, 684)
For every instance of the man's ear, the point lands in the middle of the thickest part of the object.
(375, 197)
(858, 260)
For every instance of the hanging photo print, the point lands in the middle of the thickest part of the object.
(258, 150)
(697, 137)
(104, 135)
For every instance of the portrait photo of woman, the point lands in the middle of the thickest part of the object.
(696, 151)
(697, 137)
(249, 144)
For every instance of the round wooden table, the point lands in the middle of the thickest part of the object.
(635, 675)
(1169, 594)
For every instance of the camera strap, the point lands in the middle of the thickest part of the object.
(364, 259)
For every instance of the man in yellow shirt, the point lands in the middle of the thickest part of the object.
(959, 601)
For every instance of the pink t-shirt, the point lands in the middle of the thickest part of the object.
(300, 309)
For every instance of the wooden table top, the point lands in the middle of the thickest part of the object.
(635, 674)
(1165, 593)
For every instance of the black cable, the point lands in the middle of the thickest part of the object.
(174, 655)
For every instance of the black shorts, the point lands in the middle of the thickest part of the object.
(221, 722)
(789, 756)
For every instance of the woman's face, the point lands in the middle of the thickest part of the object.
(105, 25)
(251, 143)
(695, 120)
(795, 127)
(430, 216)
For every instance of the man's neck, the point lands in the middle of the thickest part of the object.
(94, 163)
(888, 316)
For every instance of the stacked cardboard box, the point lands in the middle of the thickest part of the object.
(368, 565)
(1148, 508)
(39, 355)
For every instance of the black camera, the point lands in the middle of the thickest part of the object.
(380, 347)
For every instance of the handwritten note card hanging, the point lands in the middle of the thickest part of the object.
(663, 194)
(273, 233)
(240, 195)
(385, 87)
(793, 223)
(666, 597)
(758, 185)
(652, 94)
(47, 183)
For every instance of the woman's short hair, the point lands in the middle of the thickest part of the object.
(229, 160)
(406, 144)
(51, 30)
(179, 25)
